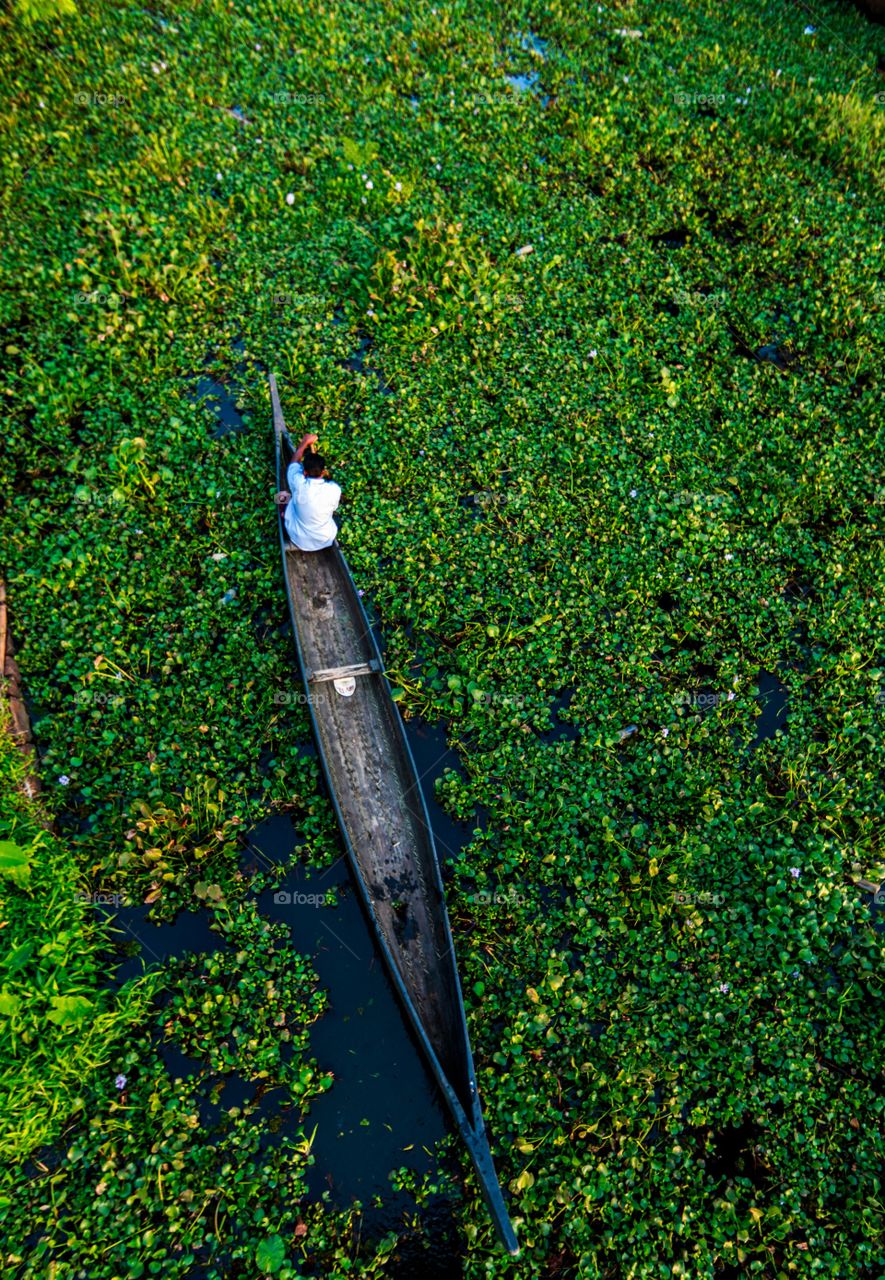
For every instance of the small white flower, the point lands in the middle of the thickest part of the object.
(371, 313)
(521, 253)
(724, 988)
(258, 46)
(437, 167)
(634, 493)
(626, 79)
(397, 186)
(370, 185)
(218, 177)
(350, 166)
(777, 73)
(420, 453)
(364, 176)
(592, 353)
(665, 733)
(809, 30)
(63, 779)
(730, 696)
(729, 556)
(365, 200)
(290, 198)
(42, 103)
(795, 872)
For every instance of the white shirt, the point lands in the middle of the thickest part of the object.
(308, 515)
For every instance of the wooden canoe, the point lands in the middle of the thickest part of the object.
(380, 808)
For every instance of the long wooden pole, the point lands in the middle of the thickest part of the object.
(11, 692)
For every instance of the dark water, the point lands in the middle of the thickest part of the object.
(221, 401)
(677, 238)
(772, 697)
(433, 756)
(152, 943)
(524, 83)
(532, 43)
(384, 1110)
(357, 363)
(221, 397)
(563, 730)
(773, 353)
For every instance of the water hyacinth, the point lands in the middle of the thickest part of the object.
(440, 338)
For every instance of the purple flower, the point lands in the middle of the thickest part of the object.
(361, 593)
(724, 988)
(63, 779)
(795, 872)
(120, 1082)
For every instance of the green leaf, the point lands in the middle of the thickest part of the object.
(19, 957)
(15, 863)
(270, 1255)
(9, 1004)
(69, 1011)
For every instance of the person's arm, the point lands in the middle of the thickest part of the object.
(306, 442)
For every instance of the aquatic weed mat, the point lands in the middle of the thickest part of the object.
(584, 306)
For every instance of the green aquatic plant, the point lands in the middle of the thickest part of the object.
(583, 304)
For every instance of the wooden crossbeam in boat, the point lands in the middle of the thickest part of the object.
(339, 673)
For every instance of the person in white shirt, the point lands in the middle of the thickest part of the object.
(311, 500)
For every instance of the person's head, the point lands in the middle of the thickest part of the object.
(314, 465)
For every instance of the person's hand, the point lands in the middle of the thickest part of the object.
(282, 498)
(310, 438)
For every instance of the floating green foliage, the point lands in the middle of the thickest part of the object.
(612, 469)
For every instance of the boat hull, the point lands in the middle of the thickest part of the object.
(373, 783)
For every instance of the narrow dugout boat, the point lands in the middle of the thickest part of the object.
(380, 808)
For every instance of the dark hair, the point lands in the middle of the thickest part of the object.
(314, 464)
